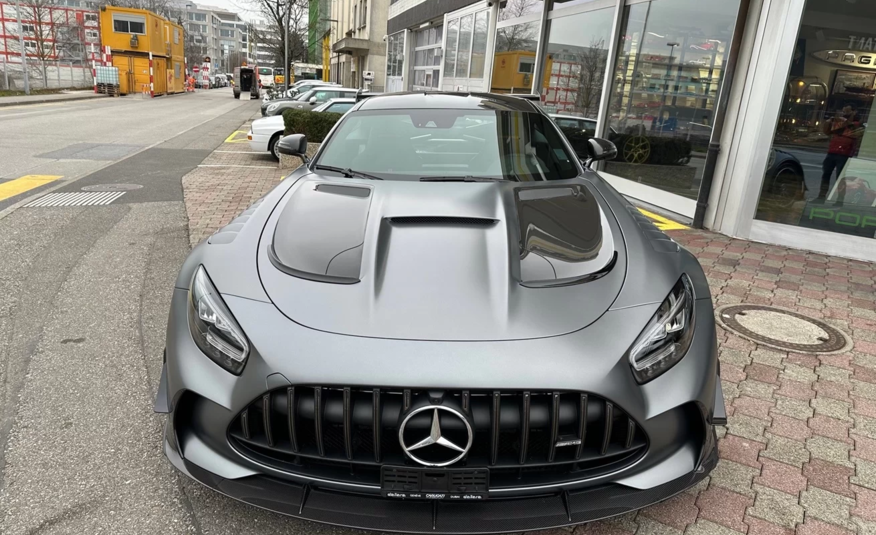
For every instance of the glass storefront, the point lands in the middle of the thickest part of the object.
(426, 64)
(514, 59)
(395, 61)
(669, 67)
(465, 50)
(821, 172)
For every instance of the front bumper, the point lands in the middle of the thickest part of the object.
(677, 411)
(540, 511)
(258, 142)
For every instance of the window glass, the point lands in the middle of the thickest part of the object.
(515, 46)
(409, 144)
(577, 56)
(464, 49)
(450, 49)
(671, 56)
(340, 107)
(511, 9)
(821, 169)
(479, 44)
(137, 27)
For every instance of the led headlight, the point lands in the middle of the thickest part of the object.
(668, 335)
(213, 327)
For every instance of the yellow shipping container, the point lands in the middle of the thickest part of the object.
(132, 34)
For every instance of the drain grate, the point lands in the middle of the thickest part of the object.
(112, 187)
(77, 198)
(783, 329)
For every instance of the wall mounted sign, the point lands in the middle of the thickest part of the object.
(849, 58)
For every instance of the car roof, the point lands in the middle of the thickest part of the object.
(448, 100)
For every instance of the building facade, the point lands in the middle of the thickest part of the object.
(59, 42)
(358, 49)
(749, 117)
(218, 34)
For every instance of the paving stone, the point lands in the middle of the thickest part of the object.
(793, 372)
(747, 427)
(864, 389)
(757, 526)
(724, 507)
(734, 476)
(865, 473)
(740, 450)
(864, 425)
(704, 527)
(781, 476)
(832, 373)
(863, 407)
(831, 407)
(794, 408)
(786, 450)
(652, 527)
(734, 356)
(864, 527)
(830, 427)
(732, 373)
(769, 357)
(865, 503)
(795, 390)
(757, 408)
(829, 450)
(757, 389)
(676, 512)
(777, 507)
(761, 372)
(865, 447)
(813, 526)
(828, 506)
(601, 527)
(625, 523)
(829, 476)
(788, 427)
(832, 389)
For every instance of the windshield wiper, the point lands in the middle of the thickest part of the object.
(467, 178)
(348, 173)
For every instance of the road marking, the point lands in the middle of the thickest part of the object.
(233, 137)
(25, 183)
(77, 198)
(663, 223)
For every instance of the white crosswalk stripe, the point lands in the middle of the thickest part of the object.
(77, 198)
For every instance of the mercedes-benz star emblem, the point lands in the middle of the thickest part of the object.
(435, 439)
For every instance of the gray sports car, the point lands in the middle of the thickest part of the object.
(443, 322)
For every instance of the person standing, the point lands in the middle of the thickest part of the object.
(845, 130)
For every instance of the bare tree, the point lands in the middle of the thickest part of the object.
(519, 36)
(159, 7)
(38, 27)
(279, 14)
(591, 63)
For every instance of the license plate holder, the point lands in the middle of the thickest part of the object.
(434, 484)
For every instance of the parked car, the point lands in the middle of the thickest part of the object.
(220, 80)
(442, 322)
(267, 131)
(290, 94)
(245, 82)
(310, 99)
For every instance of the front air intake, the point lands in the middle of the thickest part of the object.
(443, 221)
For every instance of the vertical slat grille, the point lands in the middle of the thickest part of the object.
(352, 430)
(317, 420)
(609, 416)
(291, 413)
(582, 425)
(494, 429)
(524, 428)
(555, 425)
(348, 425)
(266, 418)
(375, 422)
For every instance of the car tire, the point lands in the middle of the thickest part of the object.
(788, 185)
(272, 145)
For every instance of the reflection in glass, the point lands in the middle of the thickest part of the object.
(479, 45)
(464, 49)
(514, 62)
(821, 172)
(450, 49)
(511, 9)
(577, 54)
(665, 84)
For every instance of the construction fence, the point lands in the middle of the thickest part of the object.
(47, 75)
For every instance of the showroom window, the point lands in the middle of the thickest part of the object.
(465, 48)
(665, 81)
(426, 64)
(395, 61)
(821, 170)
(516, 47)
(575, 62)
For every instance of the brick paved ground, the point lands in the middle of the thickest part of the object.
(799, 453)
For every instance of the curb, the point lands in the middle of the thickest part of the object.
(37, 100)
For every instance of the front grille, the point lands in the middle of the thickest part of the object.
(523, 437)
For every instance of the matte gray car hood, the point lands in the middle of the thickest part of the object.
(442, 261)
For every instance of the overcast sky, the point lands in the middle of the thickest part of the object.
(248, 9)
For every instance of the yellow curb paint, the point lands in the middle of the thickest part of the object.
(661, 222)
(25, 183)
(233, 137)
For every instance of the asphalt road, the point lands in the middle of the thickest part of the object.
(84, 294)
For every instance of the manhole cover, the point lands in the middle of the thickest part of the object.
(112, 187)
(783, 329)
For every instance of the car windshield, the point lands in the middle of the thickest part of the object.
(306, 95)
(447, 144)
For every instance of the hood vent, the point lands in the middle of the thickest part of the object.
(443, 220)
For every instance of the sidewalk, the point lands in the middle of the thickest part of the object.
(66, 96)
(799, 453)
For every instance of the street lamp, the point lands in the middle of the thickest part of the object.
(338, 59)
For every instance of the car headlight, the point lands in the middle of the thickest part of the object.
(213, 327)
(668, 335)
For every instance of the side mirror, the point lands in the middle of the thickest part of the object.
(312, 100)
(294, 145)
(600, 149)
